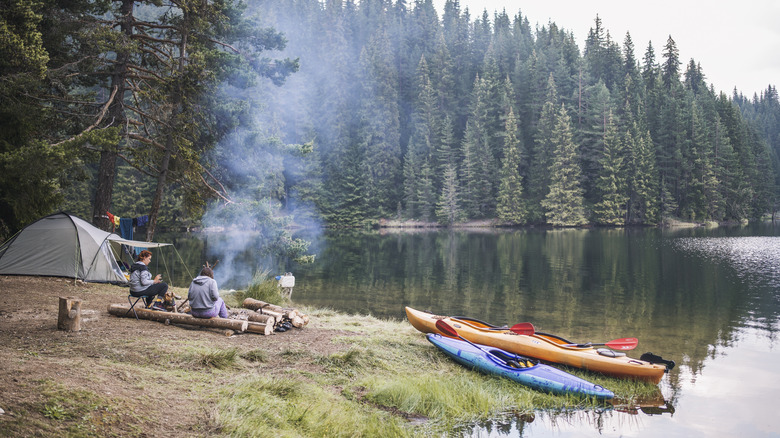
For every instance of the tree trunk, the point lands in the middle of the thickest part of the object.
(104, 190)
(171, 146)
(154, 211)
(69, 317)
(116, 117)
(178, 318)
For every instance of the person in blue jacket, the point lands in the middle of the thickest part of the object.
(205, 301)
(141, 282)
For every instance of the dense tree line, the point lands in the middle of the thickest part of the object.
(453, 118)
(397, 111)
(119, 105)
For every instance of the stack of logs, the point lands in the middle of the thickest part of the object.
(271, 314)
(257, 317)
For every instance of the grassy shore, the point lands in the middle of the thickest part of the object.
(342, 375)
(389, 381)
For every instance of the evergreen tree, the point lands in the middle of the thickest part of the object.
(644, 195)
(611, 184)
(596, 107)
(670, 70)
(541, 156)
(426, 194)
(379, 133)
(411, 180)
(564, 203)
(448, 210)
(479, 177)
(511, 207)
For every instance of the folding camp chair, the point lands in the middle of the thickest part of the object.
(133, 303)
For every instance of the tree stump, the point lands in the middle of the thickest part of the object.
(69, 317)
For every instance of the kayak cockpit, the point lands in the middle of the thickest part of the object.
(512, 360)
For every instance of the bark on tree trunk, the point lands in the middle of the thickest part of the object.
(69, 317)
(171, 147)
(116, 117)
(154, 211)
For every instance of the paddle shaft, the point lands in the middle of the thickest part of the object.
(616, 344)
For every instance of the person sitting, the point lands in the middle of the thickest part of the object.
(205, 301)
(142, 284)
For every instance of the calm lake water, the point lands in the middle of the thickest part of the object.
(709, 299)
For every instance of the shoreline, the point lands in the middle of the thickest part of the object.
(356, 373)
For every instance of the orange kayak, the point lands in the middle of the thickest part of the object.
(543, 346)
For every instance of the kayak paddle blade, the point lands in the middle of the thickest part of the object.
(623, 344)
(446, 329)
(523, 328)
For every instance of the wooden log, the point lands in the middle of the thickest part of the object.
(251, 303)
(296, 317)
(69, 317)
(264, 319)
(279, 317)
(179, 318)
(297, 321)
(259, 327)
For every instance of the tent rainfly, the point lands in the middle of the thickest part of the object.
(61, 245)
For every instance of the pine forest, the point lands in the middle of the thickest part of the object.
(350, 112)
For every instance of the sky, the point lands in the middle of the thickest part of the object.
(737, 43)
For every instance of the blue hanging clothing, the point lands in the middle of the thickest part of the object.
(126, 228)
(142, 220)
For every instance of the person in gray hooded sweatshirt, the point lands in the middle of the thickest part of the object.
(205, 301)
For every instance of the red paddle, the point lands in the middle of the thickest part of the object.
(616, 344)
(523, 328)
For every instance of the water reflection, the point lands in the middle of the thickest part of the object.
(754, 259)
(709, 299)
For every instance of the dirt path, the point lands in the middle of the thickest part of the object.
(123, 377)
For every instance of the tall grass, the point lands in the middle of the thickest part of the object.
(212, 357)
(261, 406)
(383, 373)
(263, 287)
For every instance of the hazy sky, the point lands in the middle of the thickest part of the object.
(737, 43)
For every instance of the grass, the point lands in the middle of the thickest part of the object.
(378, 381)
(260, 406)
(379, 375)
(212, 357)
(67, 412)
(263, 287)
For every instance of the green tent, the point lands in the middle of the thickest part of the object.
(61, 245)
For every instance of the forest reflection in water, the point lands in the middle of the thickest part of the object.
(708, 299)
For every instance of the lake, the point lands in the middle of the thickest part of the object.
(708, 299)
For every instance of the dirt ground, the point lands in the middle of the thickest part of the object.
(35, 356)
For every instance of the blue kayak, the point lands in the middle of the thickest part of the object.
(518, 368)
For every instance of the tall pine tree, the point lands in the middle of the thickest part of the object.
(564, 203)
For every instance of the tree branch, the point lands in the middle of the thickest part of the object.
(97, 122)
(225, 45)
(145, 140)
